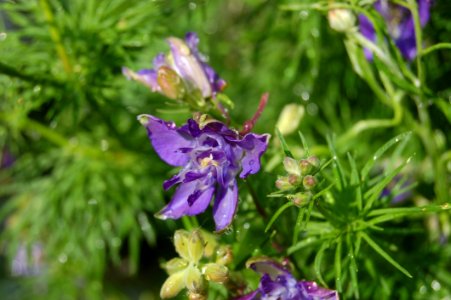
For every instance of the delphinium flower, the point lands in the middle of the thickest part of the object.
(183, 74)
(211, 156)
(400, 25)
(201, 259)
(300, 179)
(277, 283)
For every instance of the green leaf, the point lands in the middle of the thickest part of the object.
(370, 163)
(318, 261)
(384, 254)
(284, 144)
(277, 214)
(337, 266)
(304, 144)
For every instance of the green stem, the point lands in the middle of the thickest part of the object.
(435, 47)
(56, 36)
(418, 39)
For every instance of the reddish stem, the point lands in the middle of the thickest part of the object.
(249, 124)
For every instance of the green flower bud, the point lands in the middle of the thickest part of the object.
(301, 199)
(291, 166)
(224, 255)
(282, 183)
(175, 265)
(193, 280)
(173, 285)
(294, 179)
(309, 182)
(181, 238)
(170, 83)
(341, 20)
(314, 161)
(195, 246)
(305, 166)
(215, 272)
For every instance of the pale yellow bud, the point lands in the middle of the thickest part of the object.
(215, 272)
(289, 118)
(181, 238)
(193, 280)
(175, 265)
(173, 285)
(341, 20)
(291, 166)
(195, 246)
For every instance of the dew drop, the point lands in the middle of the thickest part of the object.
(435, 285)
(375, 157)
(251, 162)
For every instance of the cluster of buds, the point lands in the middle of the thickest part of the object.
(300, 177)
(201, 260)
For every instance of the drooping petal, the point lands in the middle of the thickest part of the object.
(251, 296)
(254, 145)
(225, 205)
(311, 290)
(167, 140)
(264, 265)
(190, 199)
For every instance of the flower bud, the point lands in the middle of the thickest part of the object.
(195, 246)
(291, 166)
(294, 179)
(215, 272)
(341, 20)
(289, 118)
(210, 243)
(301, 199)
(173, 285)
(305, 166)
(170, 83)
(282, 183)
(196, 296)
(224, 255)
(193, 280)
(314, 161)
(309, 182)
(175, 265)
(181, 238)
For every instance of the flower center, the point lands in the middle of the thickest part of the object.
(208, 161)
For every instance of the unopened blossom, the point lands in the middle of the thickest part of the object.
(195, 266)
(184, 71)
(400, 25)
(211, 156)
(277, 283)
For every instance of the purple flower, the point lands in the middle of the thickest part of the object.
(183, 70)
(211, 155)
(399, 189)
(400, 25)
(278, 283)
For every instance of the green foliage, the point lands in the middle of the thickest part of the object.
(85, 183)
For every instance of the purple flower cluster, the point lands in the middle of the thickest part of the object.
(279, 284)
(183, 70)
(400, 25)
(211, 156)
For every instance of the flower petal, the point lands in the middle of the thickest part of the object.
(254, 145)
(167, 140)
(147, 77)
(250, 296)
(178, 206)
(312, 290)
(225, 205)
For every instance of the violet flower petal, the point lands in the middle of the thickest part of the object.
(255, 145)
(188, 199)
(167, 140)
(315, 292)
(225, 205)
(147, 77)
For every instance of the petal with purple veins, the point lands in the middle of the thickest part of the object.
(312, 290)
(166, 139)
(225, 205)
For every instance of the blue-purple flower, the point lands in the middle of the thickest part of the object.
(183, 71)
(277, 283)
(400, 25)
(211, 156)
